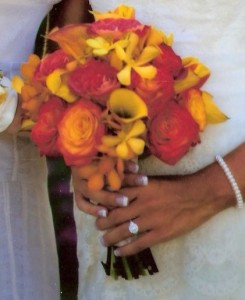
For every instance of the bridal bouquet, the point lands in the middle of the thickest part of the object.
(115, 90)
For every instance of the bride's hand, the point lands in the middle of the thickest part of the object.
(101, 202)
(166, 208)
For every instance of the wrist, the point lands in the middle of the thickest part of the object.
(232, 181)
(218, 188)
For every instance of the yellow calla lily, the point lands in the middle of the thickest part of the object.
(127, 105)
(214, 114)
(138, 64)
(58, 87)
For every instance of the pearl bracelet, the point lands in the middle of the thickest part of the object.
(230, 177)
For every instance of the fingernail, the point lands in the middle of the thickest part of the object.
(122, 200)
(134, 168)
(142, 180)
(117, 252)
(102, 213)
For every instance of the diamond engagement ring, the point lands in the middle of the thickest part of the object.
(133, 227)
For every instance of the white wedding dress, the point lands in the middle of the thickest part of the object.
(209, 262)
(28, 255)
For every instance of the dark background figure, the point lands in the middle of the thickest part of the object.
(62, 207)
(61, 199)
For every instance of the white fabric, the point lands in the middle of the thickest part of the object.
(207, 263)
(8, 106)
(28, 255)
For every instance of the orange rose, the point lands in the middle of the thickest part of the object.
(80, 132)
(45, 133)
(172, 132)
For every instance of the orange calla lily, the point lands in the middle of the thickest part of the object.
(72, 39)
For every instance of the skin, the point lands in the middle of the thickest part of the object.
(165, 208)
(70, 12)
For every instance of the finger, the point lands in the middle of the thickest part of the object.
(109, 199)
(105, 198)
(137, 245)
(123, 232)
(117, 216)
(86, 206)
(135, 180)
